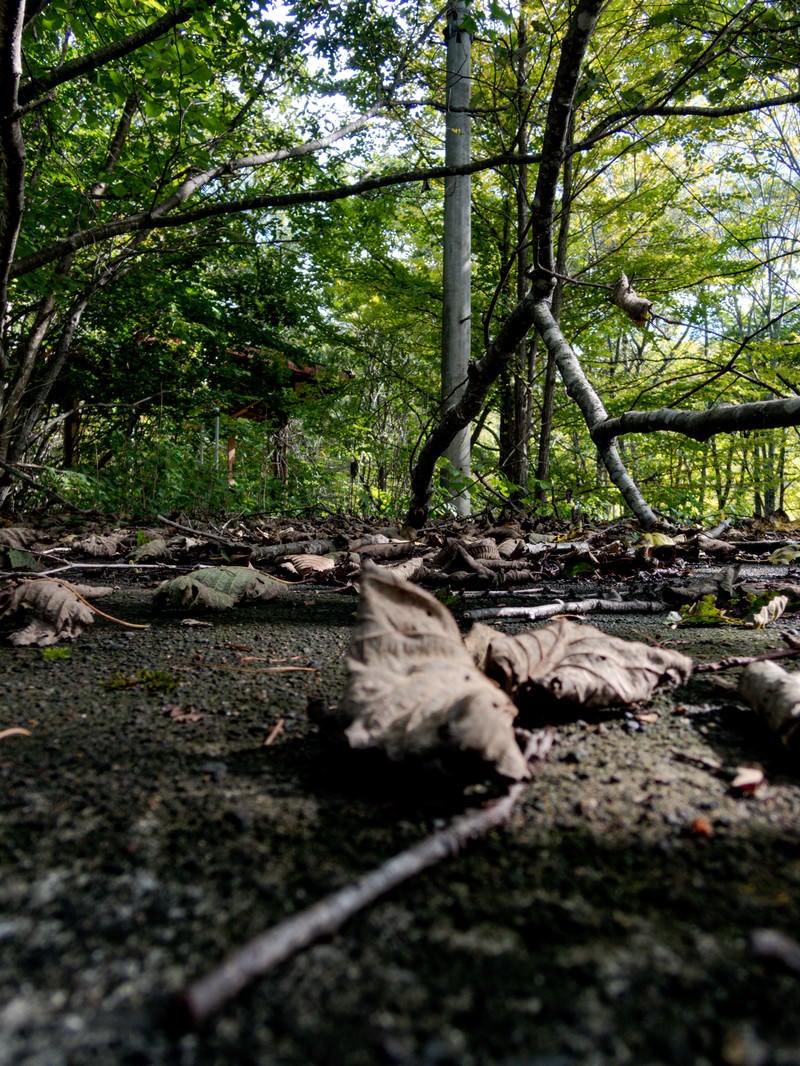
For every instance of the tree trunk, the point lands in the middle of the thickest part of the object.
(12, 152)
(549, 390)
(515, 419)
(580, 390)
(457, 313)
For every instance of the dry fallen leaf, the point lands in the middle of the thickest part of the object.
(575, 663)
(102, 546)
(771, 611)
(307, 566)
(185, 714)
(157, 548)
(775, 946)
(53, 609)
(413, 689)
(18, 537)
(748, 779)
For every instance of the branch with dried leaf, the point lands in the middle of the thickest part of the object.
(624, 296)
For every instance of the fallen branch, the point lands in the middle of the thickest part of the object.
(91, 566)
(774, 694)
(271, 552)
(200, 1001)
(745, 660)
(202, 534)
(548, 610)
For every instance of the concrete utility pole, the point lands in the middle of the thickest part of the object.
(457, 276)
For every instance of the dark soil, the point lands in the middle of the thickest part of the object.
(144, 834)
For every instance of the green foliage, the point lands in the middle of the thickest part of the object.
(52, 655)
(214, 314)
(705, 613)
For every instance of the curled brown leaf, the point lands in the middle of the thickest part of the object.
(576, 663)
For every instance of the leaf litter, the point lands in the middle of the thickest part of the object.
(54, 609)
(417, 689)
(703, 830)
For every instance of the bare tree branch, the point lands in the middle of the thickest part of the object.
(154, 219)
(591, 406)
(620, 119)
(700, 425)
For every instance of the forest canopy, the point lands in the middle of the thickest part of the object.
(221, 250)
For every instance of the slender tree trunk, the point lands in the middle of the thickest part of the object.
(594, 413)
(457, 284)
(515, 427)
(485, 371)
(550, 375)
(12, 154)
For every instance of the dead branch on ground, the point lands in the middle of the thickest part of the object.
(549, 610)
(204, 998)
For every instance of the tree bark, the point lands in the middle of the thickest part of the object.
(12, 151)
(549, 390)
(700, 425)
(516, 424)
(456, 273)
(594, 413)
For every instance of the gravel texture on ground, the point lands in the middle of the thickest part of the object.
(146, 833)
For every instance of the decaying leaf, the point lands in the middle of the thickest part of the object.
(218, 588)
(101, 546)
(705, 613)
(786, 555)
(770, 611)
(575, 663)
(307, 566)
(157, 548)
(53, 610)
(413, 689)
(19, 537)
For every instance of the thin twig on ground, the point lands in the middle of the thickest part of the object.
(745, 660)
(201, 534)
(204, 998)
